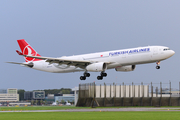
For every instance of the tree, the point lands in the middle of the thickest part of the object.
(32, 102)
(62, 101)
(57, 91)
(45, 102)
(36, 102)
(65, 91)
(41, 101)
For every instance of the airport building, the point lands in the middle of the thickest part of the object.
(9, 95)
(72, 97)
(64, 98)
(34, 95)
(76, 92)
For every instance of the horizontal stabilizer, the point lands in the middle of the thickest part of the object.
(15, 63)
(23, 64)
(20, 53)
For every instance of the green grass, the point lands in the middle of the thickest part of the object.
(168, 115)
(40, 108)
(68, 107)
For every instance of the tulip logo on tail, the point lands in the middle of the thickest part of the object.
(30, 52)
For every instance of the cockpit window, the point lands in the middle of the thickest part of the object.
(166, 49)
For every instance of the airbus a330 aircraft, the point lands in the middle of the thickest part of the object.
(120, 60)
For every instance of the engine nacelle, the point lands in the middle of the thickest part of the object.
(126, 68)
(97, 67)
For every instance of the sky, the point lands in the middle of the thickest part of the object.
(56, 28)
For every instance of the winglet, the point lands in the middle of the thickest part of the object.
(20, 53)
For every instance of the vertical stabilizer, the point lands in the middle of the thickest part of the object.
(27, 50)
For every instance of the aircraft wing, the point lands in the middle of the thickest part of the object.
(78, 63)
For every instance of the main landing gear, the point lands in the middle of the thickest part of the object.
(158, 67)
(103, 74)
(85, 75)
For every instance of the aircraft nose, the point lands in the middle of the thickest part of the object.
(172, 52)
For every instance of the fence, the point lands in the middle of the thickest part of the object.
(92, 94)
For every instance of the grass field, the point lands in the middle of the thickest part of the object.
(169, 115)
(61, 108)
(40, 108)
(46, 108)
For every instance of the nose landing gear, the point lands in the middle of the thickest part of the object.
(158, 67)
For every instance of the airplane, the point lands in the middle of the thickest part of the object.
(67, 103)
(120, 60)
(54, 103)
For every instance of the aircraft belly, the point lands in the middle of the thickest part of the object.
(114, 65)
(67, 69)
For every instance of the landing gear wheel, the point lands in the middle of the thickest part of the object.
(104, 74)
(82, 78)
(99, 77)
(157, 67)
(87, 74)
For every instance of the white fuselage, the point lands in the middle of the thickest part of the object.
(116, 58)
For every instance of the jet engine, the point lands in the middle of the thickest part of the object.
(126, 68)
(97, 67)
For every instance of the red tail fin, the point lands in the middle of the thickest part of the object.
(27, 50)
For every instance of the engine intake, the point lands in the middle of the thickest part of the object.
(97, 67)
